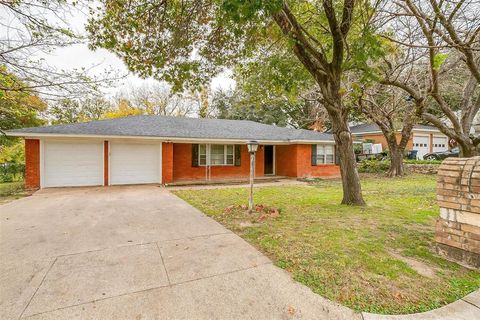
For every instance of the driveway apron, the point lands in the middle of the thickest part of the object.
(137, 252)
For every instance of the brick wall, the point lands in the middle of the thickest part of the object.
(32, 163)
(105, 163)
(295, 161)
(458, 194)
(305, 168)
(167, 162)
(286, 160)
(184, 171)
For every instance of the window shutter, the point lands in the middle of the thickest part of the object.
(238, 155)
(337, 157)
(194, 155)
(314, 154)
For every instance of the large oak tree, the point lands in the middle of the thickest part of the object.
(186, 42)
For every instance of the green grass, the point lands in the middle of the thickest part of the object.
(344, 253)
(12, 190)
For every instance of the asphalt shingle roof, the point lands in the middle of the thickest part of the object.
(373, 127)
(178, 127)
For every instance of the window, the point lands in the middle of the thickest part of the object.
(421, 145)
(202, 154)
(325, 154)
(218, 154)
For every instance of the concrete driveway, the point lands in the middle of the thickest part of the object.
(137, 253)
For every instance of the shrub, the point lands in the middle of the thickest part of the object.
(378, 166)
(11, 171)
(373, 166)
(422, 161)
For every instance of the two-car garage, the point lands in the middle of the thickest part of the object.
(427, 143)
(95, 162)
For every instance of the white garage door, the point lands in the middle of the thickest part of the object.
(440, 144)
(134, 163)
(421, 144)
(68, 164)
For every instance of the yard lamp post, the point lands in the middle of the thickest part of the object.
(252, 148)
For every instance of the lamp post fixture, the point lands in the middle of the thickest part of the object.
(252, 148)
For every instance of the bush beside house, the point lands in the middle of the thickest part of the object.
(12, 162)
(412, 166)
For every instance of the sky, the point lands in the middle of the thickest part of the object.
(80, 56)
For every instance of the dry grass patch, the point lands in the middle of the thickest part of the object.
(10, 191)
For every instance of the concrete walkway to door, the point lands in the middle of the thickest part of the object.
(137, 252)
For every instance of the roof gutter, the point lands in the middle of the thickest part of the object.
(413, 130)
(164, 139)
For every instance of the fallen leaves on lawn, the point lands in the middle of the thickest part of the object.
(264, 212)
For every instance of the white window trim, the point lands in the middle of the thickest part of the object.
(208, 155)
(325, 155)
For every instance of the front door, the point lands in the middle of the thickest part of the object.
(269, 160)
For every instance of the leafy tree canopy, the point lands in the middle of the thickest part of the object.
(275, 88)
(17, 109)
(12, 153)
(73, 111)
(124, 109)
(187, 42)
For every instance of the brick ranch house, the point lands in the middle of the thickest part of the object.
(425, 139)
(168, 150)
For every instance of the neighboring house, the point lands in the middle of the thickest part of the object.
(158, 149)
(425, 139)
(476, 124)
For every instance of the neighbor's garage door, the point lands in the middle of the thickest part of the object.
(68, 164)
(422, 145)
(440, 144)
(135, 163)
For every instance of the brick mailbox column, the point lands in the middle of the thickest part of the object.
(457, 231)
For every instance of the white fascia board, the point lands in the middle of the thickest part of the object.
(413, 131)
(427, 131)
(164, 139)
(312, 141)
(364, 133)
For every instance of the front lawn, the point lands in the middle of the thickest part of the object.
(377, 258)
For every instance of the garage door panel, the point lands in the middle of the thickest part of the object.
(422, 145)
(440, 144)
(134, 163)
(72, 164)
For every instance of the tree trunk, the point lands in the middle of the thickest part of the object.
(467, 148)
(352, 190)
(396, 161)
(328, 76)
